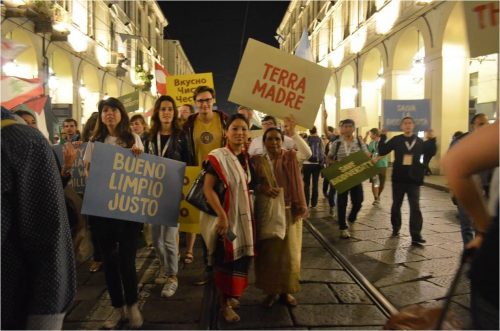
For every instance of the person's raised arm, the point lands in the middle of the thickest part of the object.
(384, 146)
(474, 153)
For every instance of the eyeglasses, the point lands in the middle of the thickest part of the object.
(201, 101)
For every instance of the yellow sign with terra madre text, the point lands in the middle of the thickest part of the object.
(279, 84)
(189, 215)
(181, 87)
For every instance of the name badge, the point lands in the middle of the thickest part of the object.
(407, 159)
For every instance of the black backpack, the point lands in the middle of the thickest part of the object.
(317, 153)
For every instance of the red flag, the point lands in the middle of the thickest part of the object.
(161, 78)
(37, 104)
(16, 91)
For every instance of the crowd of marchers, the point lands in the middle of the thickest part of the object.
(269, 184)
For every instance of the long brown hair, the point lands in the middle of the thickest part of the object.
(155, 119)
(123, 131)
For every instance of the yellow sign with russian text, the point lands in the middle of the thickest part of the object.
(181, 87)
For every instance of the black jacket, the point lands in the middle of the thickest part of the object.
(430, 147)
(413, 174)
(178, 149)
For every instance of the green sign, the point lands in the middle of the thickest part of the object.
(130, 101)
(349, 172)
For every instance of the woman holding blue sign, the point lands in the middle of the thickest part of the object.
(117, 238)
(234, 226)
(166, 140)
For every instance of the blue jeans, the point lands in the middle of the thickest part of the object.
(165, 243)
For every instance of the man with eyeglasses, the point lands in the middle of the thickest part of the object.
(257, 147)
(204, 131)
(205, 128)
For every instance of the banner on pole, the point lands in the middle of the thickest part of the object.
(396, 110)
(181, 87)
(482, 27)
(279, 84)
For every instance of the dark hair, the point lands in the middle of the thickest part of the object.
(89, 126)
(201, 89)
(348, 121)
(155, 119)
(191, 108)
(138, 117)
(473, 119)
(68, 120)
(330, 129)
(272, 129)
(270, 118)
(233, 118)
(457, 134)
(375, 132)
(313, 130)
(124, 133)
(407, 118)
(25, 112)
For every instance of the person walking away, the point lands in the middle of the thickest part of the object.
(257, 145)
(312, 167)
(235, 228)
(407, 177)
(378, 181)
(460, 173)
(339, 150)
(430, 149)
(117, 238)
(166, 139)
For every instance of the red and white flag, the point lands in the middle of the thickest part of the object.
(10, 50)
(161, 78)
(16, 91)
(37, 104)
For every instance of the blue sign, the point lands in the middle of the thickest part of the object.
(144, 188)
(395, 110)
(77, 178)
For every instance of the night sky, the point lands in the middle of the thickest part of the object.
(214, 35)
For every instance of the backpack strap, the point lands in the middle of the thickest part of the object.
(337, 146)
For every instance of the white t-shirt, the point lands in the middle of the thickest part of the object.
(87, 157)
(257, 146)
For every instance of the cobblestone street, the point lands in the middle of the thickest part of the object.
(330, 298)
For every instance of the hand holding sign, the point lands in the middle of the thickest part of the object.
(69, 156)
(289, 125)
(136, 150)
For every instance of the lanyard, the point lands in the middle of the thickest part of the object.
(347, 150)
(158, 144)
(410, 146)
